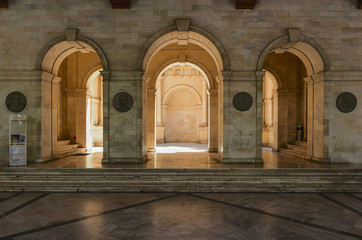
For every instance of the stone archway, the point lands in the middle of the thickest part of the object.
(50, 61)
(181, 45)
(314, 60)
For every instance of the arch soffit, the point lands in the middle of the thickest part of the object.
(59, 48)
(91, 74)
(278, 82)
(310, 53)
(196, 36)
(190, 89)
(189, 62)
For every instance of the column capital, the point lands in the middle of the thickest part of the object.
(50, 78)
(259, 75)
(212, 92)
(105, 75)
(151, 92)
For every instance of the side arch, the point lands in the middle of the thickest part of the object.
(59, 48)
(306, 49)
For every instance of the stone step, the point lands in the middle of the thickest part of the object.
(63, 142)
(181, 180)
(65, 149)
(300, 143)
(292, 152)
(297, 148)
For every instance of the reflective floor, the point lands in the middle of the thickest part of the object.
(187, 155)
(181, 216)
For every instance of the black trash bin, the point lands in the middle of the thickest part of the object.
(300, 133)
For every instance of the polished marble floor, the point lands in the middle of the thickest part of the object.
(187, 155)
(180, 216)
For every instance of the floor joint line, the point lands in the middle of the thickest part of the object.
(11, 211)
(255, 210)
(58, 224)
(341, 204)
(12, 196)
(353, 196)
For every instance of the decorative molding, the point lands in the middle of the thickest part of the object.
(121, 4)
(183, 25)
(245, 4)
(3, 3)
(294, 34)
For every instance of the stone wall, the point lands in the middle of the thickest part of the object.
(334, 27)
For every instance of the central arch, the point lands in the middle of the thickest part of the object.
(183, 48)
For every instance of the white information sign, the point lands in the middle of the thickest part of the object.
(17, 139)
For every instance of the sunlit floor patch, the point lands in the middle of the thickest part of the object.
(97, 149)
(181, 147)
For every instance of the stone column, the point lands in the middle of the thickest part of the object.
(151, 140)
(242, 129)
(204, 104)
(105, 109)
(159, 118)
(259, 77)
(49, 115)
(224, 108)
(320, 153)
(310, 116)
(213, 120)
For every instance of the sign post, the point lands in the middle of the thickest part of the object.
(17, 140)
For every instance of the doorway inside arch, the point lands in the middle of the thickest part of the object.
(181, 110)
(80, 111)
(285, 109)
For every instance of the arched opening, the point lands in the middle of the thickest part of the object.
(284, 104)
(182, 84)
(293, 99)
(72, 100)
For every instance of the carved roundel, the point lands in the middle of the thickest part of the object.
(16, 102)
(122, 102)
(346, 102)
(242, 101)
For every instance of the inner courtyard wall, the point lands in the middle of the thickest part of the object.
(26, 27)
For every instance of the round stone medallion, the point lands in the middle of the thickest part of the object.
(122, 102)
(242, 101)
(15, 102)
(346, 102)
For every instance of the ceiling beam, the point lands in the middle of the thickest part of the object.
(121, 4)
(3, 3)
(245, 4)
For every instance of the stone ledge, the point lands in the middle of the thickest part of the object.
(343, 76)
(126, 75)
(20, 75)
(123, 160)
(242, 160)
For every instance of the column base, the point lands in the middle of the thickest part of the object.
(243, 160)
(213, 150)
(317, 159)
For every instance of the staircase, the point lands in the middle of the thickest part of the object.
(180, 180)
(298, 149)
(65, 148)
